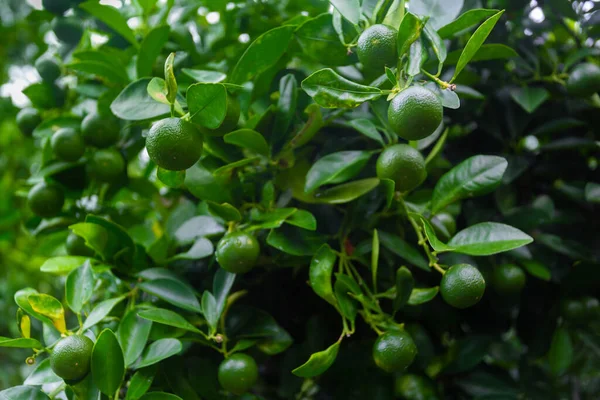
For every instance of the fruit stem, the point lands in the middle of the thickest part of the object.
(441, 83)
(57, 391)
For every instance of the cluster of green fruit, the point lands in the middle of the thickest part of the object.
(67, 29)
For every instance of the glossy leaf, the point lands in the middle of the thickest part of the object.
(347, 192)
(318, 362)
(330, 90)
(248, 139)
(108, 364)
(23, 393)
(140, 383)
(404, 287)
(79, 287)
(22, 299)
(335, 168)
(320, 272)
(224, 211)
(209, 310)
(196, 227)
(201, 248)
(467, 20)
(537, 269)
(475, 176)
(440, 12)
(207, 104)
(401, 248)
(569, 248)
(530, 98)
(107, 72)
(23, 323)
(101, 310)
(422, 295)
(475, 43)
(42, 374)
(349, 9)
(347, 305)
(435, 243)
(167, 317)
(488, 238)
(264, 52)
(416, 58)
(133, 333)
(204, 76)
(222, 284)
(21, 343)
(158, 351)
(592, 192)
(302, 219)
(437, 45)
(172, 179)
(560, 356)
(96, 238)
(62, 265)
(368, 129)
(50, 307)
(295, 241)
(319, 41)
(150, 50)
(111, 17)
(135, 104)
(172, 292)
(170, 80)
(374, 258)
(157, 89)
(160, 396)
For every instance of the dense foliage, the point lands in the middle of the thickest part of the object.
(376, 199)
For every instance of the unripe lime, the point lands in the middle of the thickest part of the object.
(415, 113)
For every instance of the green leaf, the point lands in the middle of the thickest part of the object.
(439, 145)
(204, 76)
(416, 58)
(330, 90)
(262, 53)
(159, 396)
(347, 305)
(349, 9)
(475, 42)
(320, 270)
(21, 343)
(140, 383)
(347, 192)
(404, 250)
(437, 45)
(560, 355)
(422, 295)
(302, 219)
(110, 72)
(285, 111)
(62, 265)
(157, 89)
(172, 292)
(566, 247)
(170, 78)
(150, 50)
(135, 104)
(113, 18)
(475, 176)
(222, 284)
(248, 139)
(440, 12)
(79, 287)
(486, 52)
(374, 258)
(22, 299)
(404, 287)
(101, 310)
(172, 179)
(49, 126)
(209, 310)
(23, 393)
(133, 333)
(319, 41)
(435, 243)
(44, 95)
(465, 21)
(318, 362)
(368, 129)
(295, 241)
(108, 364)
(207, 104)
(335, 168)
(394, 14)
(158, 351)
(250, 322)
(225, 211)
(488, 238)
(592, 192)
(96, 238)
(204, 185)
(167, 317)
(201, 248)
(529, 98)
(196, 227)
(537, 269)
(228, 169)
(42, 374)
(50, 307)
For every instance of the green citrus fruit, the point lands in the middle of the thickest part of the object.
(71, 356)
(100, 130)
(415, 387)
(238, 373)
(230, 122)
(107, 165)
(404, 165)
(174, 144)
(237, 252)
(394, 351)
(584, 80)
(573, 310)
(444, 225)
(67, 144)
(27, 120)
(67, 29)
(508, 279)
(58, 7)
(46, 199)
(415, 113)
(376, 48)
(75, 246)
(48, 68)
(462, 286)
